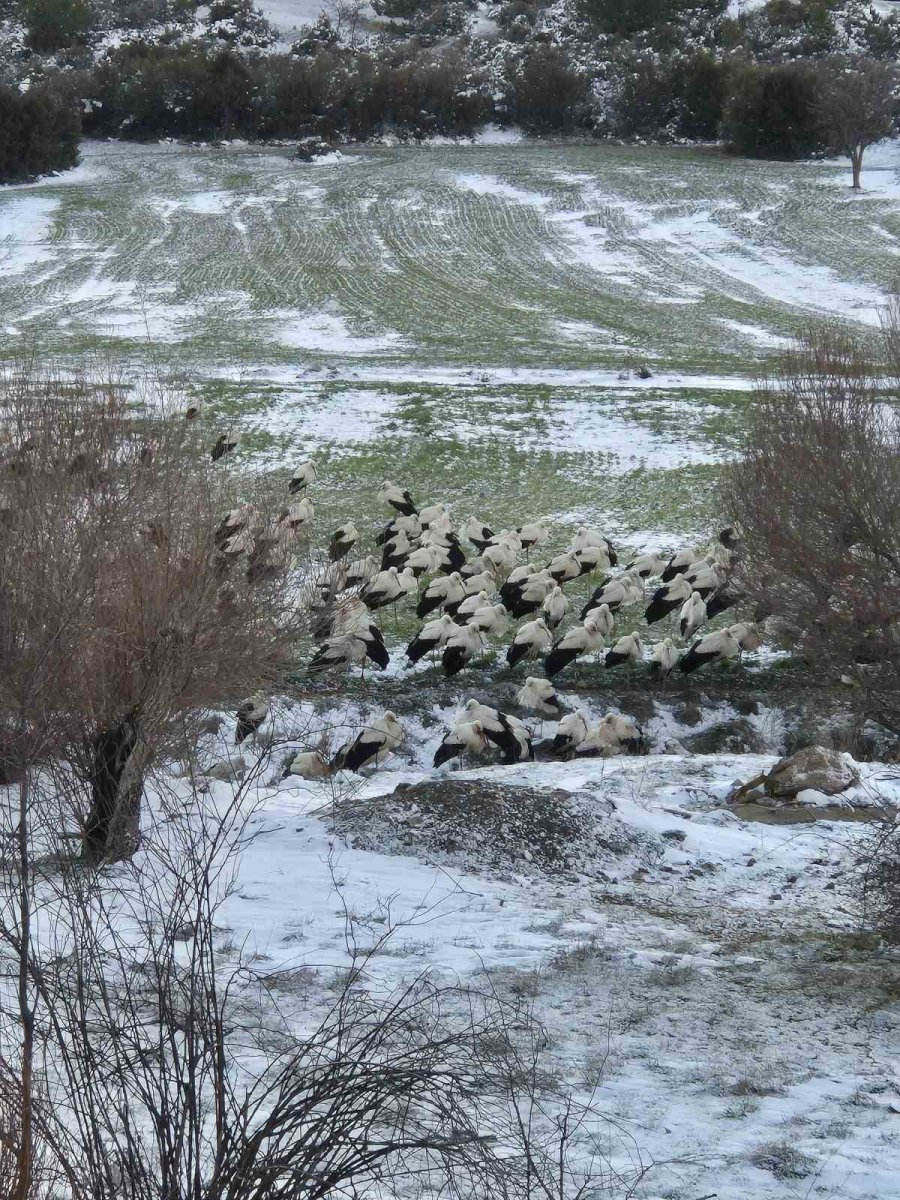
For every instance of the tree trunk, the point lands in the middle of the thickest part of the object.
(24, 1159)
(856, 157)
(124, 834)
(112, 830)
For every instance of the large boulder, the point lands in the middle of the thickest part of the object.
(813, 768)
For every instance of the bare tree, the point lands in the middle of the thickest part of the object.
(816, 493)
(118, 610)
(346, 17)
(855, 102)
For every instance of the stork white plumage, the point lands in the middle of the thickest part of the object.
(300, 513)
(628, 649)
(342, 541)
(530, 594)
(667, 598)
(306, 473)
(466, 737)
(531, 640)
(308, 764)
(555, 607)
(471, 605)
(447, 592)
(603, 618)
(648, 566)
(476, 532)
(539, 696)
(564, 567)
(372, 746)
(747, 634)
(715, 647)
(430, 637)
(460, 648)
(431, 513)
(491, 619)
(425, 560)
(387, 587)
(616, 594)
(534, 534)
(680, 561)
(485, 582)
(585, 536)
(592, 558)
(586, 638)
(692, 615)
(398, 498)
(600, 742)
(501, 555)
(250, 716)
(572, 730)
(361, 571)
(663, 658)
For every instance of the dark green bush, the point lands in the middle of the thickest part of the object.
(770, 112)
(628, 17)
(153, 90)
(544, 89)
(700, 83)
(417, 91)
(54, 24)
(39, 132)
(646, 106)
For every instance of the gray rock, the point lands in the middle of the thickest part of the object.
(814, 768)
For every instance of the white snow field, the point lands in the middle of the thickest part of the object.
(477, 300)
(703, 978)
(469, 320)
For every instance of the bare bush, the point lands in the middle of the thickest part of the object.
(816, 493)
(118, 612)
(878, 880)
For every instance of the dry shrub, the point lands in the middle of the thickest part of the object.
(817, 496)
(118, 614)
(878, 880)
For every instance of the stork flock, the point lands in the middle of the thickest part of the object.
(469, 586)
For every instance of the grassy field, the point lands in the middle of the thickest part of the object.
(464, 319)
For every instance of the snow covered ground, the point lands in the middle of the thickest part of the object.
(469, 320)
(443, 308)
(698, 971)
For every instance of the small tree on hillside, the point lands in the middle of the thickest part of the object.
(855, 105)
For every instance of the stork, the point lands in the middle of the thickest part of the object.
(372, 746)
(628, 649)
(692, 615)
(431, 636)
(580, 639)
(667, 598)
(531, 641)
(305, 474)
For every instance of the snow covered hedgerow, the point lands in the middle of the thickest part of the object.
(239, 23)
